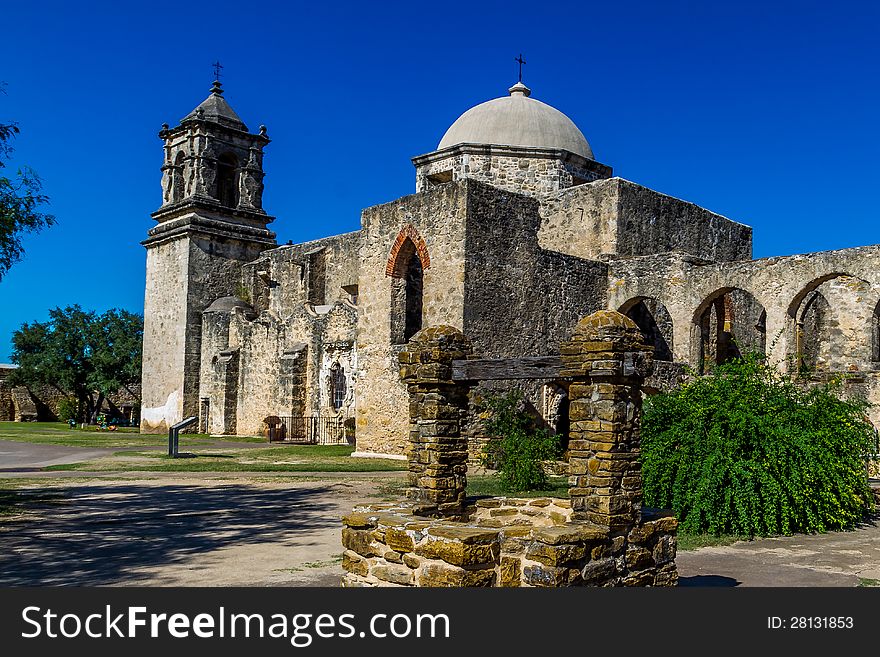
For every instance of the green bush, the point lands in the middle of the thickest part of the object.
(747, 451)
(516, 447)
(67, 409)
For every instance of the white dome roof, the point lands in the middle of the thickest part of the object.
(517, 120)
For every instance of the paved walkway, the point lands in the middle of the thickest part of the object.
(23, 456)
(832, 559)
(180, 532)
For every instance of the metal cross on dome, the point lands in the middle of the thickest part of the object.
(521, 62)
(217, 67)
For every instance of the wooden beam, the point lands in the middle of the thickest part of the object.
(489, 369)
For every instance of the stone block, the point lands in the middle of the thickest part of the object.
(445, 575)
(399, 539)
(555, 555)
(360, 541)
(640, 578)
(412, 560)
(664, 551)
(393, 573)
(570, 533)
(597, 572)
(666, 575)
(359, 520)
(549, 576)
(638, 558)
(509, 572)
(354, 563)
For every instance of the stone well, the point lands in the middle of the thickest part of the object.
(599, 536)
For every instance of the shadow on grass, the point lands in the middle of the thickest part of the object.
(103, 534)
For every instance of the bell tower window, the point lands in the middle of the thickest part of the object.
(227, 180)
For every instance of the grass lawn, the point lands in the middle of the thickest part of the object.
(58, 433)
(488, 485)
(274, 458)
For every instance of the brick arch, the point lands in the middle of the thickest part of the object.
(396, 266)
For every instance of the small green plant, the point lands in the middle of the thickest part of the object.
(748, 451)
(68, 409)
(516, 447)
(242, 292)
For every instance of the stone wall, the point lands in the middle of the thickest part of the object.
(185, 274)
(439, 216)
(616, 217)
(532, 171)
(7, 407)
(507, 543)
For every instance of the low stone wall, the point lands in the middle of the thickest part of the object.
(506, 542)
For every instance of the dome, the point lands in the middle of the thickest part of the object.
(227, 305)
(517, 120)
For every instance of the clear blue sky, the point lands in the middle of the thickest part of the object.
(766, 112)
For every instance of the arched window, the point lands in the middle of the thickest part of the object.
(407, 293)
(227, 180)
(338, 388)
(414, 290)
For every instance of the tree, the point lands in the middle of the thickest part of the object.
(749, 451)
(20, 197)
(81, 353)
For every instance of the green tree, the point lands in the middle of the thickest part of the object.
(20, 198)
(81, 353)
(749, 451)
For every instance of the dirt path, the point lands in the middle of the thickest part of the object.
(188, 531)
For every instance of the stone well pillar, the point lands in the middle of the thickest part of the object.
(606, 361)
(437, 451)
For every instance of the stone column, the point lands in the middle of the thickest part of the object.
(606, 361)
(437, 449)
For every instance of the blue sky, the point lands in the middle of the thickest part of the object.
(766, 112)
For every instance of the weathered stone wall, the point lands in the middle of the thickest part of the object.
(319, 272)
(506, 543)
(842, 340)
(184, 275)
(7, 407)
(438, 215)
(616, 217)
(685, 286)
(165, 321)
(532, 171)
(257, 366)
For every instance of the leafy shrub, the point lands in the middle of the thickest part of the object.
(516, 447)
(67, 409)
(747, 451)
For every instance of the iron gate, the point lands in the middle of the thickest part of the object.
(309, 430)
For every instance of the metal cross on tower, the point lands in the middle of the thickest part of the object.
(521, 62)
(217, 66)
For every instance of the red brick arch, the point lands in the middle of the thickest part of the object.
(396, 267)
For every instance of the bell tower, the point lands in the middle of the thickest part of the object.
(210, 223)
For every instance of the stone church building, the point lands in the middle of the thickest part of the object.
(514, 232)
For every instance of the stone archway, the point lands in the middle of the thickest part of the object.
(655, 322)
(729, 323)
